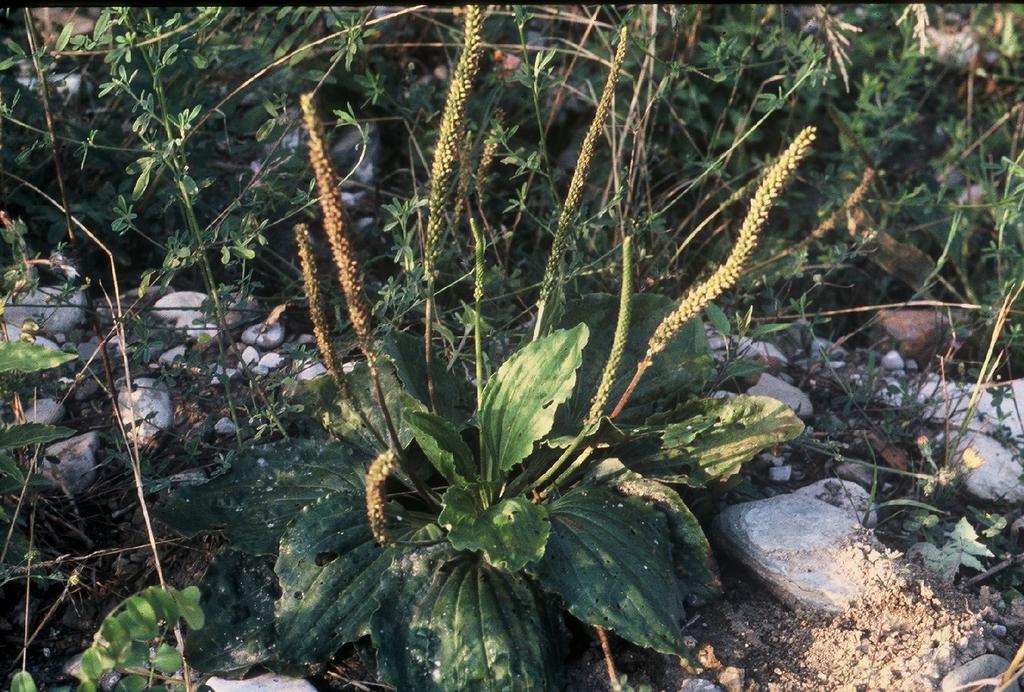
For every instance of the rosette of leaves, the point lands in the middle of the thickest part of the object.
(466, 587)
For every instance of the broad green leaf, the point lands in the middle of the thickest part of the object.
(691, 553)
(520, 400)
(330, 569)
(25, 357)
(23, 682)
(264, 489)
(510, 533)
(961, 549)
(443, 446)
(677, 373)
(239, 591)
(716, 438)
(610, 558)
(31, 434)
(454, 398)
(456, 623)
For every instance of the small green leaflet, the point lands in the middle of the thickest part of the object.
(22, 356)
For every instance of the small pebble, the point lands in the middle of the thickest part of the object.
(780, 474)
(263, 335)
(312, 370)
(892, 361)
(224, 426)
(271, 361)
(306, 339)
(999, 630)
(171, 355)
(250, 355)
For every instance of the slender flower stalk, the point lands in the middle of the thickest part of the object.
(560, 243)
(321, 331)
(604, 389)
(336, 228)
(478, 296)
(726, 275)
(376, 476)
(449, 141)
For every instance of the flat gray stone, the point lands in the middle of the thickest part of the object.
(845, 495)
(262, 683)
(183, 310)
(699, 685)
(311, 370)
(54, 311)
(761, 350)
(997, 479)
(44, 411)
(769, 385)
(148, 411)
(982, 667)
(71, 463)
(799, 546)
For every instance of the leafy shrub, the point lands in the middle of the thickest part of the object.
(453, 532)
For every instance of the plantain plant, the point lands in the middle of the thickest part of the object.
(450, 523)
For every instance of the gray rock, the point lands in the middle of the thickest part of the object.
(183, 310)
(250, 355)
(981, 668)
(224, 426)
(311, 370)
(845, 495)
(892, 360)
(858, 473)
(148, 411)
(822, 349)
(761, 350)
(44, 411)
(769, 385)
(699, 685)
(49, 307)
(263, 335)
(89, 350)
(780, 474)
(306, 339)
(170, 355)
(262, 683)
(271, 361)
(220, 373)
(997, 479)
(71, 463)
(806, 551)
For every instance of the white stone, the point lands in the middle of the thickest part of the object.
(893, 392)
(265, 336)
(271, 361)
(799, 547)
(183, 310)
(250, 355)
(981, 668)
(306, 339)
(952, 399)
(224, 426)
(780, 474)
(311, 370)
(892, 360)
(998, 476)
(44, 411)
(845, 495)
(50, 308)
(219, 373)
(260, 370)
(170, 355)
(769, 385)
(823, 349)
(263, 683)
(722, 394)
(89, 350)
(148, 411)
(761, 350)
(71, 463)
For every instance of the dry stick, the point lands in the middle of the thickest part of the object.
(49, 121)
(609, 663)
